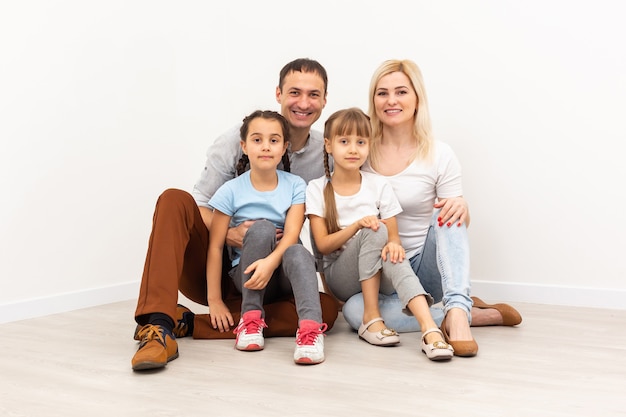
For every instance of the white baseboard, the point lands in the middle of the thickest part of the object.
(487, 290)
(61, 303)
(609, 298)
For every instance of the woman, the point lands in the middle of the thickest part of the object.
(426, 177)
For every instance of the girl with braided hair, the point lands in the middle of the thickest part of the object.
(264, 268)
(352, 215)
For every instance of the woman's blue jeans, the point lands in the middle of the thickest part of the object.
(443, 269)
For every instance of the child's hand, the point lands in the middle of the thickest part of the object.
(263, 271)
(371, 222)
(394, 251)
(221, 318)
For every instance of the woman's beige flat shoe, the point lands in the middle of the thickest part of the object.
(384, 337)
(436, 351)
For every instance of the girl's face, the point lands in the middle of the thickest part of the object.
(395, 100)
(349, 151)
(264, 144)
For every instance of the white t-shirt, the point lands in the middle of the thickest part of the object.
(374, 198)
(417, 188)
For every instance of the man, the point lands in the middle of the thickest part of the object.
(177, 250)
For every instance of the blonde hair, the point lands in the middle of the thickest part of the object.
(341, 123)
(422, 128)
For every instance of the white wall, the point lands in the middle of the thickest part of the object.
(105, 104)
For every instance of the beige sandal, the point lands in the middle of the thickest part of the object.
(384, 337)
(439, 350)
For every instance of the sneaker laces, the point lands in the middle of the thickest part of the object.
(250, 326)
(308, 335)
(150, 332)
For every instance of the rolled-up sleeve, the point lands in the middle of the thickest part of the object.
(221, 160)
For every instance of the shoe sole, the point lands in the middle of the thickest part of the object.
(380, 344)
(144, 366)
(439, 358)
(250, 348)
(307, 361)
(465, 354)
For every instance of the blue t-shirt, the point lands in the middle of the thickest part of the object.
(238, 199)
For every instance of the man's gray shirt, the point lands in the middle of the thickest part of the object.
(225, 152)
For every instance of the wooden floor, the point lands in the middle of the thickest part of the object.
(561, 361)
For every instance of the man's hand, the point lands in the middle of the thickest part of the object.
(234, 237)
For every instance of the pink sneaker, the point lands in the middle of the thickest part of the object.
(249, 331)
(310, 343)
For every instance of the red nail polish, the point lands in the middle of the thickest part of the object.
(449, 224)
(439, 219)
(459, 224)
(440, 224)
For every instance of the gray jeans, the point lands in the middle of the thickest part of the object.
(361, 259)
(296, 275)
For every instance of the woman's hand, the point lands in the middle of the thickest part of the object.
(395, 252)
(453, 211)
(221, 319)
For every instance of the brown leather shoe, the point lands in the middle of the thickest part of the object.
(510, 316)
(465, 348)
(157, 347)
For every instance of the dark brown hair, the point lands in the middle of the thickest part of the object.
(244, 163)
(303, 65)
